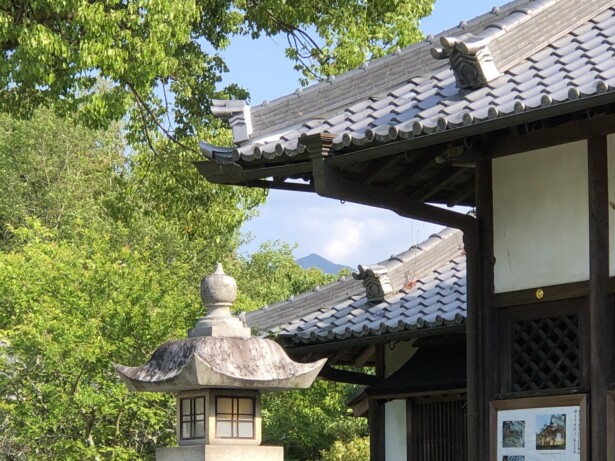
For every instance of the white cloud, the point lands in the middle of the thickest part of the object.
(343, 233)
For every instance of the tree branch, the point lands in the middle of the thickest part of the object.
(142, 105)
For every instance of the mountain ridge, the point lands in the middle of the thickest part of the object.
(319, 262)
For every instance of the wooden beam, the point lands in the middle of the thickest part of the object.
(329, 183)
(379, 361)
(377, 448)
(410, 436)
(360, 406)
(321, 349)
(548, 293)
(462, 194)
(564, 133)
(372, 172)
(458, 339)
(233, 173)
(600, 309)
(349, 377)
(280, 185)
(474, 375)
(335, 356)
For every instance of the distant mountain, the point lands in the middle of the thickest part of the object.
(319, 262)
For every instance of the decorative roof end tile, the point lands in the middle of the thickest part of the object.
(238, 115)
(470, 60)
(376, 282)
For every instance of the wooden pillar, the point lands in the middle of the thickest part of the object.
(376, 414)
(410, 415)
(473, 348)
(600, 312)
(487, 322)
(376, 430)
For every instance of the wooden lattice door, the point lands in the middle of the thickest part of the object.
(437, 428)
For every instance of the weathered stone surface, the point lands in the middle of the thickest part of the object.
(218, 289)
(229, 328)
(218, 292)
(220, 453)
(206, 361)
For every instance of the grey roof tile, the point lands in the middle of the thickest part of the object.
(601, 53)
(422, 99)
(351, 316)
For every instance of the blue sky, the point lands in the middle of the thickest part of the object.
(343, 233)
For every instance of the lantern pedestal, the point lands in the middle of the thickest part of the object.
(220, 453)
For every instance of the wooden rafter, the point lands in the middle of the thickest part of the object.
(462, 193)
(372, 174)
(417, 168)
(439, 182)
(366, 355)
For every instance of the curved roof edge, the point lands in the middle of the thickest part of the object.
(219, 362)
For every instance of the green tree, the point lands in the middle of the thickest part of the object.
(355, 450)
(310, 421)
(55, 171)
(99, 262)
(272, 275)
(69, 310)
(100, 259)
(101, 59)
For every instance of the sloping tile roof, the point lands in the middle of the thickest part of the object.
(549, 53)
(430, 291)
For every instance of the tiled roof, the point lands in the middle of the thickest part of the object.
(548, 53)
(429, 285)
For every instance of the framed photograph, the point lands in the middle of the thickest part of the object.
(539, 428)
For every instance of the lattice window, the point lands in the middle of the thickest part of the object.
(235, 417)
(545, 354)
(192, 418)
(438, 430)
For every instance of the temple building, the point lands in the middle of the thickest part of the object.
(513, 114)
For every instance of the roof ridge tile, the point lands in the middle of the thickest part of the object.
(262, 123)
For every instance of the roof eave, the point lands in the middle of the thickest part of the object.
(303, 349)
(237, 173)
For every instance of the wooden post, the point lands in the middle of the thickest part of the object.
(376, 431)
(376, 414)
(471, 247)
(600, 312)
(489, 322)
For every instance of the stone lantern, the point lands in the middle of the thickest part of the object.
(217, 375)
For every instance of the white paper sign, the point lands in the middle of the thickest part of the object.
(539, 434)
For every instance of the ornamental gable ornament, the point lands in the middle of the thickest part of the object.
(376, 282)
(471, 61)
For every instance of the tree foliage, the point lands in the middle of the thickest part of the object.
(272, 275)
(101, 255)
(102, 246)
(99, 262)
(69, 310)
(309, 422)
(355, 450)
(103, 59)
